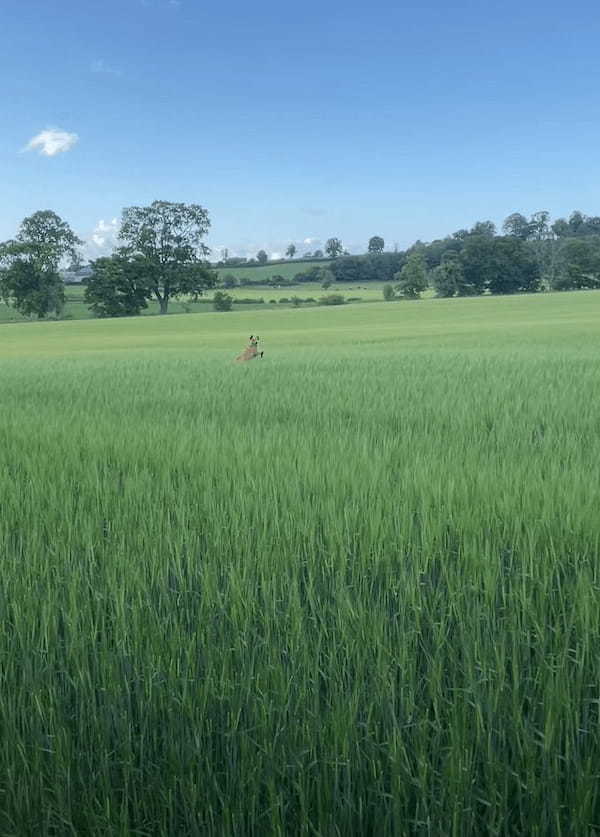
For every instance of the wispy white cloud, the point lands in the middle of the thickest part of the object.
(103, 239)
(51, 142)
(100, 67)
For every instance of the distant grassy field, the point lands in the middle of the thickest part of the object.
(350, 589)
(367, 291)
(76, 309)
(261, 274)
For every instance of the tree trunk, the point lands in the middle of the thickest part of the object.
(164, 304)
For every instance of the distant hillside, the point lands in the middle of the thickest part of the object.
(260, 274)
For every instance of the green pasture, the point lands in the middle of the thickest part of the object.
(350, 589)
(261, 274)
(76, 309)
(365, 292)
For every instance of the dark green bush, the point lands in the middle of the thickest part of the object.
(332, 299)
(222, 301)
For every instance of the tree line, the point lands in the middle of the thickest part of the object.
(162, 256)
(528, 255)
(333, 249)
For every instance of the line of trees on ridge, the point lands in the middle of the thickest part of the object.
(333, 249)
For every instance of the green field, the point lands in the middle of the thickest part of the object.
(261, 274)
(350, 589)
(76, 309)
(366, 292)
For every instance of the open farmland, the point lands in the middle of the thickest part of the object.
(76, 309)
(351, 589)
(263, 273)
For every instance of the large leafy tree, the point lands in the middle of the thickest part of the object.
(46, 240)
(543, 245)
(515, 268)
(502, 265)
(412, 279)
(376, 244)
(449, 277)
(485, 228)
(30, 280)
(517, 226)
(477, 262)
(168, 238)
(33, 292)
(334, 248)
(291, 251)
(118, 286)
(578, 264)
(262, 257)
(539, 225)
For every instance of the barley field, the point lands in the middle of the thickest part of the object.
(350, 589)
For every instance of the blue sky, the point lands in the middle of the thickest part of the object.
(296, 122)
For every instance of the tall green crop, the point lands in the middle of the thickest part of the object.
(352, 588)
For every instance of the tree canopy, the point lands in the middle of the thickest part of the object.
(119, 286)
(168, 237)
(334, 248)
(412, 279)
(376, 244)
(29, 279)
(448, 277)
(517, 225)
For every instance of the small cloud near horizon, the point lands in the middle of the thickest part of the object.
(51, 142)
